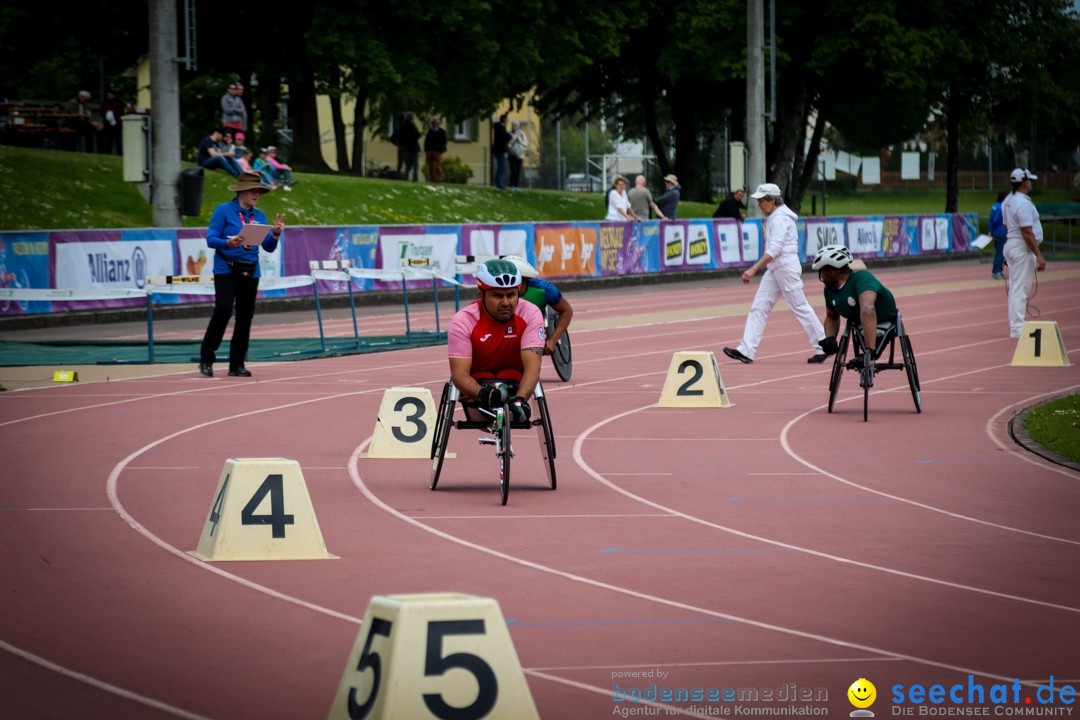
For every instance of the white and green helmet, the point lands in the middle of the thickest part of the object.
(497, 275)
(524, 266)
(837, 256)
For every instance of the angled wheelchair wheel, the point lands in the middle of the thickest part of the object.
(504, 452)
(547, 438)
(839, 362)
(912, 371)
(562, 358)
(866, 400)
(443, 422)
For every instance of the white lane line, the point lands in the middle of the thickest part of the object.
(786, 444)
(716, 663)
(797, 548)
(100, 684)
(374, 499)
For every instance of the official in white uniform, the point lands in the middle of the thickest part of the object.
(1023, 235)
(782, 279)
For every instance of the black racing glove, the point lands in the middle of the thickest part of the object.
(491, 396)
(520, 410)
(829, 346)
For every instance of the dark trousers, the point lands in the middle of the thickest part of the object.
(999, 254)
(515, 171)
(230, 289)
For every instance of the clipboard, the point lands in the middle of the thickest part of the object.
(253, 234)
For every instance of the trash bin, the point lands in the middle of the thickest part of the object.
(191, 189)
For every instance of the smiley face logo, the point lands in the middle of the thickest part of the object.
(862, 693)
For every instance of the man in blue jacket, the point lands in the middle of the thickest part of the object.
(997, 231)
(236, 272)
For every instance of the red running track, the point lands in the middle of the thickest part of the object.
(760, 546)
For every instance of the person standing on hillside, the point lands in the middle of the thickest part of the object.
(641, 200)
(782, 279)
(500, 149)
(997, 231)
(668, 202)
(233, 110)
(236, 272)
(1024, 235)
(434, 147)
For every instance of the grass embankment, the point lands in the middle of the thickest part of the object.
(52, 190)
(1056, 426)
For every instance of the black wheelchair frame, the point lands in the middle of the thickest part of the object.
(888, 335)
(499, 425)
(562, 358)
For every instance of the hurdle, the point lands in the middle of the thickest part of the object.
(335, 270)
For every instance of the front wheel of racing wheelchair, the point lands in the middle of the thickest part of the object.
(562, 358)
(497, 422)
(888, 334)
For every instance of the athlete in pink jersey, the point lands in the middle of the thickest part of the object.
(497, 338)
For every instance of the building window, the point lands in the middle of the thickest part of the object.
(466, 130)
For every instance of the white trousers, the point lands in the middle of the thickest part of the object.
(1021, 274)
(781, 280)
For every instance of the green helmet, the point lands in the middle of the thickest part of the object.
(497, 275)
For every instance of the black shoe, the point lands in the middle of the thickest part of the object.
(206, 369)
(817, 359)
(736, 355)
(240, 372)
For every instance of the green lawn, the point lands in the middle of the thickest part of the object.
(48, 189)
(1056, 426)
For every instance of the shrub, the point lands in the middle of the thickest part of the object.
(455, 171)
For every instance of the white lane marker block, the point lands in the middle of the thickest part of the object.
(1040, 345)
(438, 655)
(693, 380)
(405, 424)
(261, 511)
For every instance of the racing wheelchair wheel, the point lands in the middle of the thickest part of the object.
(839, 363)
(912, 371)
(547, 438)
(562, 358)
(443, 422)
(503, 450)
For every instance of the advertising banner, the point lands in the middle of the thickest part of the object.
(934, 233)
(24, 264)
(728, 240)
(436, 243)
(566, 250)
(751, 240)
(822, 231)
(489, 239)
(864, 235)
(899, 236)
(115, 259)
(628, 248)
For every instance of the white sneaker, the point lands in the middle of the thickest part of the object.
(286, 188)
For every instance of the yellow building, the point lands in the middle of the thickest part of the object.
(469, 140)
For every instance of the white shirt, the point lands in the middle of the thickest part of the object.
(781, 234)
(1017, 211)
(617, 200)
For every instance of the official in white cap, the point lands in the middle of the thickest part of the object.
(1023, 235)
(782, 279)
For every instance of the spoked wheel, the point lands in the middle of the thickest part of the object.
(867, 382)
(504, 452)
(547, 438)
(562, 358)
(912, 371)
(442, 435)
(838, 369)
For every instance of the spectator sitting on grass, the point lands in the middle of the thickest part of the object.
(281, 172)
(211, 158)
(262, 166)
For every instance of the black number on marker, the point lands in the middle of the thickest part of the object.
(277, 519)
(421, 427)
(684, 389)
(1038, 341)
(369, 660)
(215, 512)
(435, 664)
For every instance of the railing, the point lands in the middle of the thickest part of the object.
(1058, 235)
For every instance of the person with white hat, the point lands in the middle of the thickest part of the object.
(782, 279)
(1024, 234)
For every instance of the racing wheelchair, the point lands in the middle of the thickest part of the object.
(498, 424)
(562, 358)
(888, 334)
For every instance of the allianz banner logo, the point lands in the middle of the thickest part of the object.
(105, 270)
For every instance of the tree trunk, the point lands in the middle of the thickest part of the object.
(267, 96)
(786, 148)
(306, 148)
(805, 174)
(359, 127)
(648, 108)
(952, 153)
(683, 112)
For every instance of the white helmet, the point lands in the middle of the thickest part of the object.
(837, 256)
(497, 274)
(523, 266)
